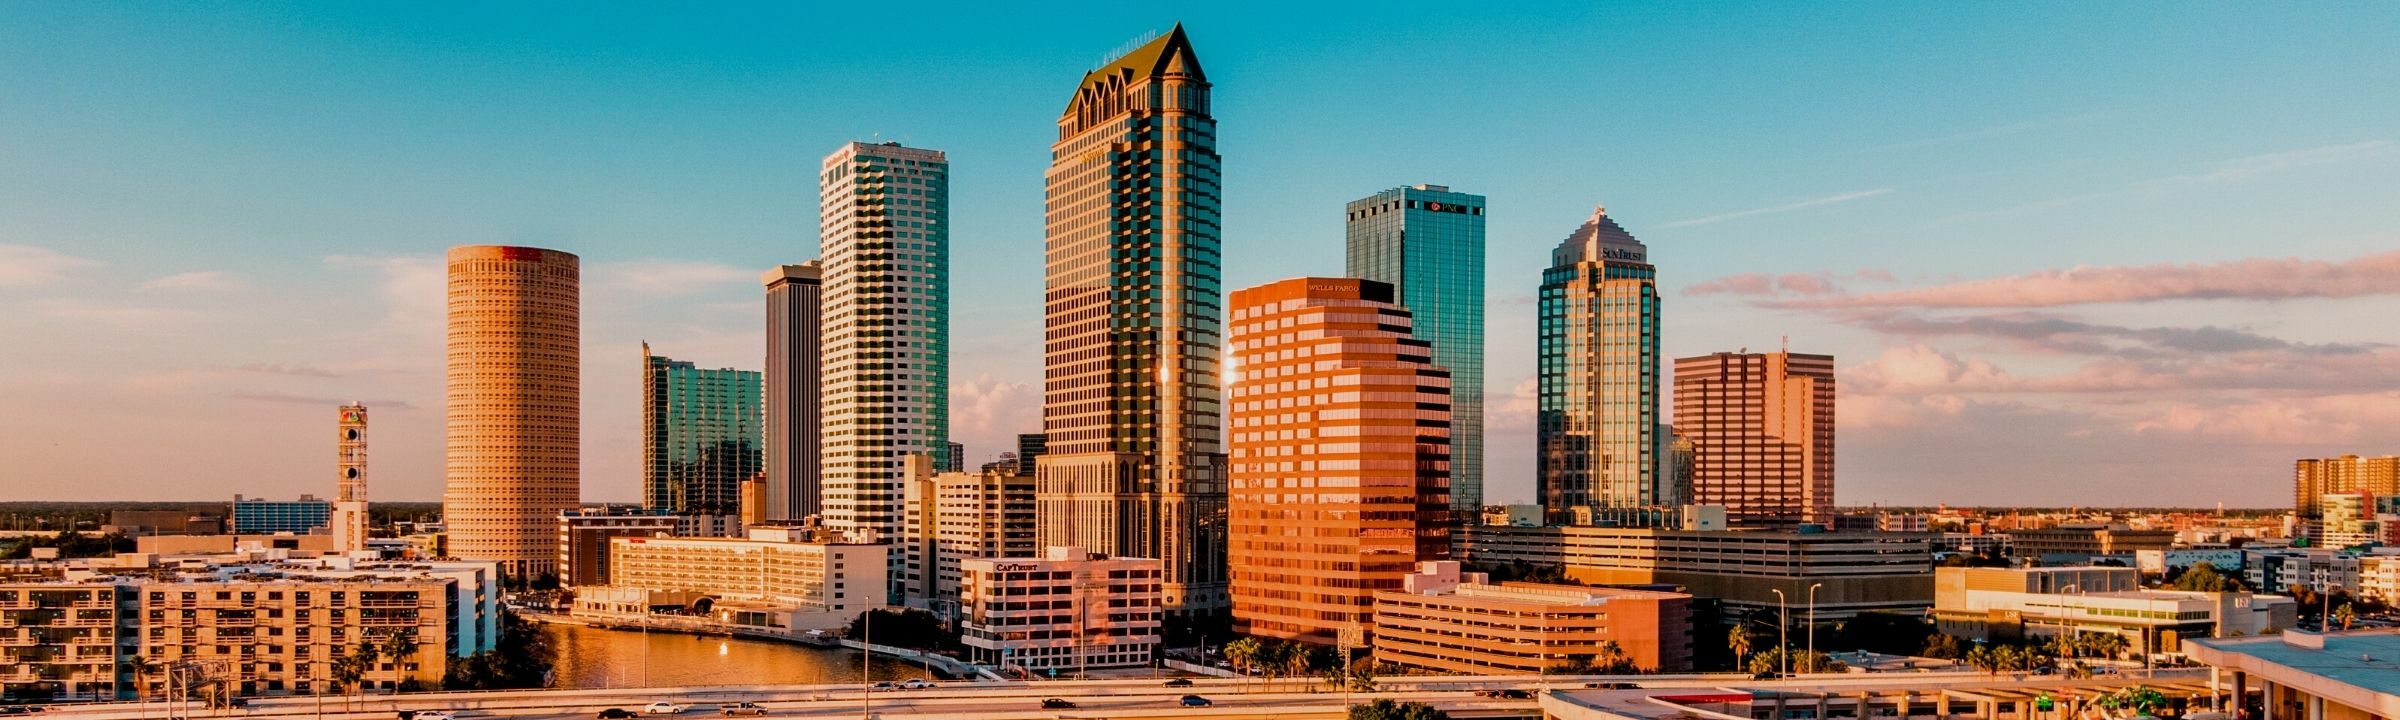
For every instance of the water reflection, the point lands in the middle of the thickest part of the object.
(598, 658)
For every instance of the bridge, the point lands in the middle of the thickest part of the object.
(1465, 697)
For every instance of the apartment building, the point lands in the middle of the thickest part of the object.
(1065, 611)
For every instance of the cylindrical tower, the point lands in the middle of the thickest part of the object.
(514, 408)
(349, 520)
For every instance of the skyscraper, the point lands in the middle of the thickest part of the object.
(513, 425)
(1133, 313)
(350, 520)
(2314, 478)
(886, 245)
(1761, 428)
(1340, 434)
(1597, 373)
(1427, 242)
(700, 436)
(794, 390)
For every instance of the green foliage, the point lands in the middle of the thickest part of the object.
(521, 659)
(2203, 577)
(1942, 646)
(70, 544)
(902, 627)
(1387, 709)
(1803, 661)
(2135, 700)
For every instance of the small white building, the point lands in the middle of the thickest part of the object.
(1062, 612)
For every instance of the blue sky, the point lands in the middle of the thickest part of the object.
(218, 220)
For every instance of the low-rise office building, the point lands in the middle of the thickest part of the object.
(1062, 612)
(783, 582)
(2308, 676)
(2085, 543)
(1452, 622)
(260, 516)
(1860, 572)
(1998, 603)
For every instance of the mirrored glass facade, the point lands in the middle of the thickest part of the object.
(1598, 374)
(1427, 242)
(700, 436)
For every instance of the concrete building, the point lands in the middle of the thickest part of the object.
(2347, 519)
(2305, 676)
(1340, 430)
(1030, 448)
(2009, 603)
(1446, 621)
(1133, 323)
(301, 544)
(1861, 572)
(1062, 612)
(1598, 389)
(957, 516)
(350, 520)
(255, 622)
(260, 516)
(584, 536)
(2085, 543)
(514, 406)
(777, 579)
(700, 436)
(2315, 478)
(136, 523)
(886, 244)
(1427, 243)
(794, 390)
(1761, 428)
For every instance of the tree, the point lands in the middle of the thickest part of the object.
(520, 659)
(2105, 644)
(143, 666)
(400, 647)
(350, 668)
(2203, 577)
(1980, 657)
(2344, 615)
(1387, 709)
(1613, 660)
(1945, 647)
(1244, 653)
(2134, 701)
(1739, 641)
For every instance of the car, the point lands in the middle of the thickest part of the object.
(1180, 682)
(1612, 686)
(1194, 701)
(1057, 704)
(741, 708)
(1511, 694)
(663, 708)
(427, 715)
(915, 684)
(886, 685)
(609, 714)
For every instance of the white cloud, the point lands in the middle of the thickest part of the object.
(28, 265)
(1787, 207)
(197, 280)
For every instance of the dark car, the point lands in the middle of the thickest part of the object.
(618, 714)
(1057, 704)
(1512, 694)
(1613, 686)
(1194, 701)
(1180, 682)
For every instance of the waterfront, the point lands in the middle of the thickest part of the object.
(591, 658)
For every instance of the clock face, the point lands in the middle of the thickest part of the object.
(351, 473)
(350, 434)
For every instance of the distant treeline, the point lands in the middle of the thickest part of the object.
(65, 515)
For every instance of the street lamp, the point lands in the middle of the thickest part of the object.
(1783, 630)
(1812, 625)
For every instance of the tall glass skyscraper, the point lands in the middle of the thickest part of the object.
(1133, 307)
(700, 436)
(1598, 374)
(1427, 242)
(886, 243)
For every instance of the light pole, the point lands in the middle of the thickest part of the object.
(1783, 630)
(1812, 626)
(866, 664)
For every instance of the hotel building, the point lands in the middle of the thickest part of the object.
(1133, 318)
(513, 419)
(794, 390)
(1597, 374)
(1445, 621)
(886, 245)
(1761, 429)
(584, 536)
(1062, 612)
(1340, 429)
(1427, 242)
(776, 579)
(700, 436)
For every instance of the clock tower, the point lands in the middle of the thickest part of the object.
(349, 521)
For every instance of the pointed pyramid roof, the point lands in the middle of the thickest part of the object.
(1599, 238)
(1169, 54)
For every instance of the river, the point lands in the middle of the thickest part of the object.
(598, 658)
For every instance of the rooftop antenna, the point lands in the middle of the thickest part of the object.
(1126, 47)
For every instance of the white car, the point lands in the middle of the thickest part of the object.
(432, 715)
(915, 684)
(663, 708)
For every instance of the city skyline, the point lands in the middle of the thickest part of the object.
(1947, 348)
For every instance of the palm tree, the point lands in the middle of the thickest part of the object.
(142, 666)
(1739, 641)
(1612, 659)
(2345, 616)
(400, 647)
(1980, 658)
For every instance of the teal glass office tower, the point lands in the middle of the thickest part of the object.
(1427, 242)
(1598, 375)
(701, 436)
